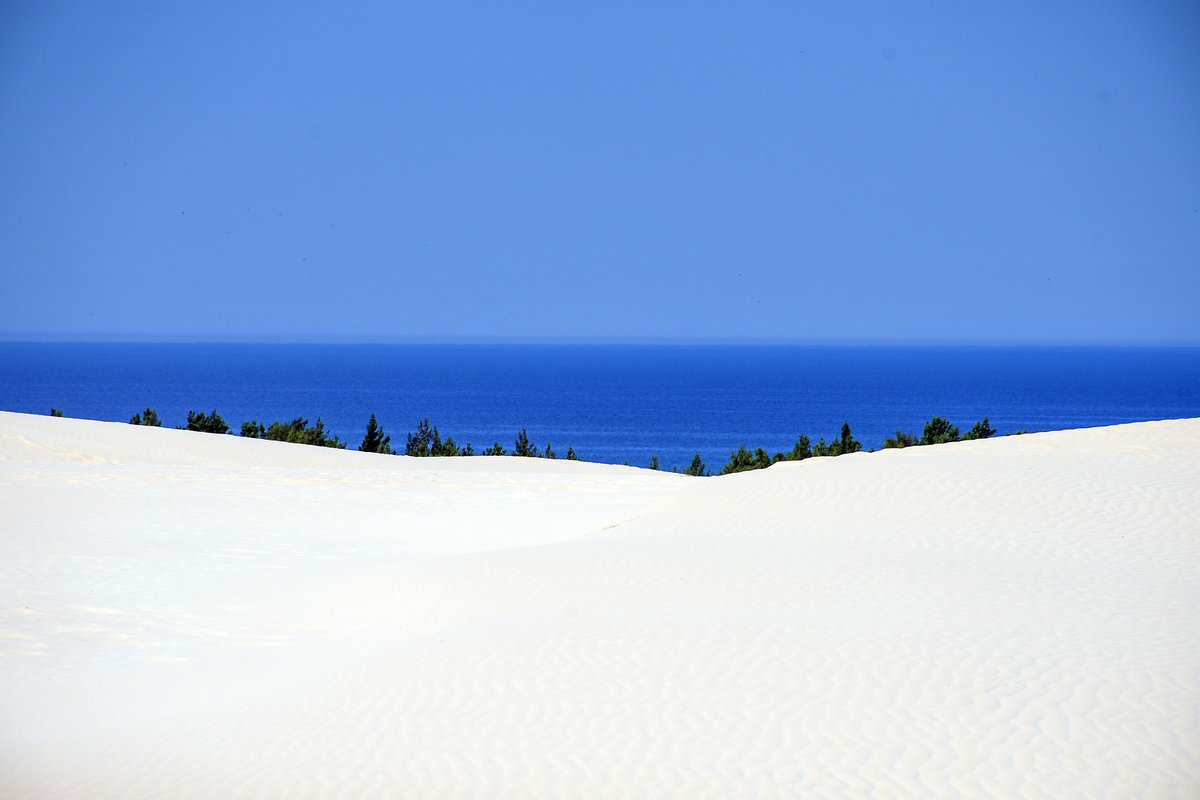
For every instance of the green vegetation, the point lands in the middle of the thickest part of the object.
(208, 423)
(427, 441)
(980, 430)
(374, 441)
(741, 460)
(939, 431)
(147, 417)
(56, 412)
(845, 443)
(297, 431)
(801, 450)
(901, 439)
(523, 446)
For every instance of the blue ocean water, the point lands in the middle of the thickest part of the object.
(612, 403)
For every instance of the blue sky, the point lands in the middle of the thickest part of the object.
(954, 172)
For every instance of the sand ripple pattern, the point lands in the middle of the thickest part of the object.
(1014, 618)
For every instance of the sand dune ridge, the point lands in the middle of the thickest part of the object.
(203, 616)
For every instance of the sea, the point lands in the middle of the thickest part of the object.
(610, 403)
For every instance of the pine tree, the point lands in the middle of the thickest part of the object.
(654, 462)
(847, 443)
(571, 455)
(420, 443)
(801, 450)
(742, 459)
(208, 423)
(696, 467)
(980, 430)
(524, 448)
(147, 417)
(375, 441)
(298, 431)
(444, 447)
(901, 439)
(939, 431)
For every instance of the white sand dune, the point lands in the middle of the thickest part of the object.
(188, 615)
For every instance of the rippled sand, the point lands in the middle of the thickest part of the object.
(188, 615)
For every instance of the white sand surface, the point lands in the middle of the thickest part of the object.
(196, 616)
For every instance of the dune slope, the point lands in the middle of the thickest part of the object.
(200, 616)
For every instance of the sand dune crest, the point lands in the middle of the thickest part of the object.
(203, 616)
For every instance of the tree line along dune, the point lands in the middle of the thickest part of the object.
(427, 441)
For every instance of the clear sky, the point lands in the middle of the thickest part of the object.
(892, 172)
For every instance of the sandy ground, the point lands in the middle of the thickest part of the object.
(197, 616)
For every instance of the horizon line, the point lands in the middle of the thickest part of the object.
(701, 341)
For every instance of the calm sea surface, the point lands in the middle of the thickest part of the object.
(612, 403)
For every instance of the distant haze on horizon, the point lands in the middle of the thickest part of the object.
(1019, 174)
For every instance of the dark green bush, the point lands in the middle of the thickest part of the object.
(298, 431)
(939, 431)
(147, 417)
(741, 460)
(427, 442)
(980, 430)
(208, 423)
(902, 439)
